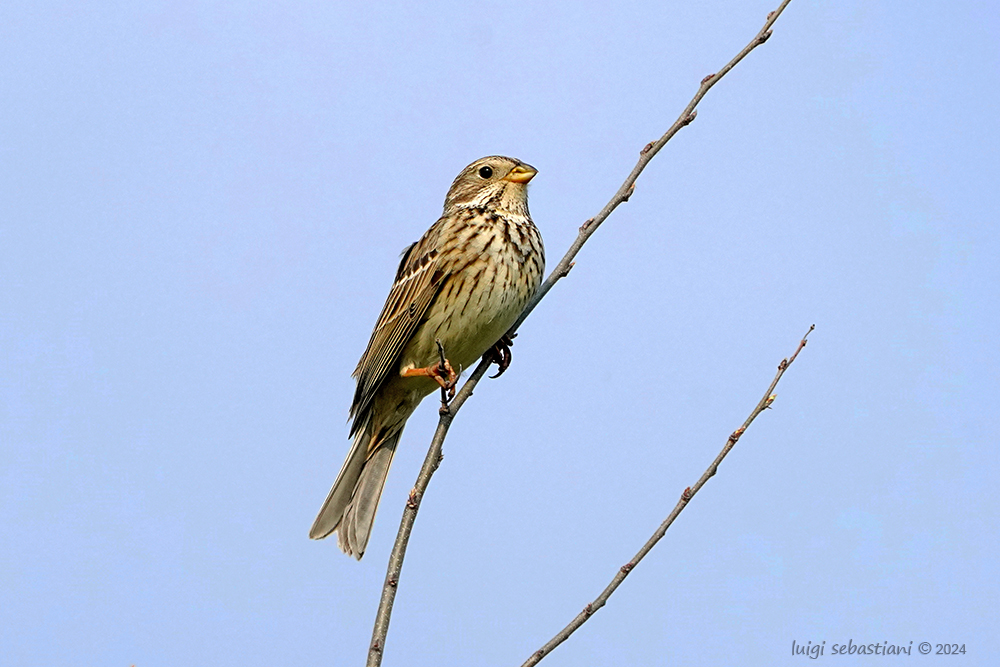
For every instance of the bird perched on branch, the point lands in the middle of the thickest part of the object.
(464, 283)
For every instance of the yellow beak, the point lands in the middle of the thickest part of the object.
(522, 173)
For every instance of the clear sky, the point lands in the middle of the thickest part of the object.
(203, 205)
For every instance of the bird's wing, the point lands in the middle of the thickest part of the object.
(418, 280)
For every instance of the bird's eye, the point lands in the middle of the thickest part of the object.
(485, 172)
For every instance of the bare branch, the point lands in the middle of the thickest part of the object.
(561, 270)
(431, 462)
(645, 155)
(686, 497)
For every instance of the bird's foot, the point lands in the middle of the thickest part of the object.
(442, 372)
(500, 354)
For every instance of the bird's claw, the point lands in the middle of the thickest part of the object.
(446, 377)
(500, 354)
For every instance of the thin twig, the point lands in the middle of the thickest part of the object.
(443, 362)
(560, 271)
(430, 465)
(686, 497)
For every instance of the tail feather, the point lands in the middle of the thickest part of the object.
(355, 528)
(350, 507)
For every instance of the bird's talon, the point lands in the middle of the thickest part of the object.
(500, 354)
(446, 377)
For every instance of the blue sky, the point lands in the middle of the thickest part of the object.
(204, 204)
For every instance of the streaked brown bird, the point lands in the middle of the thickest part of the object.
(464, 283)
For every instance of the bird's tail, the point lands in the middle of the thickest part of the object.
(350, 508)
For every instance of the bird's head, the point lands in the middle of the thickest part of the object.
(494, 182)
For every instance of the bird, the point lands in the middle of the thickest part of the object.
(463, 284)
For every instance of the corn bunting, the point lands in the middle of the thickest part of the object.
(463, 283)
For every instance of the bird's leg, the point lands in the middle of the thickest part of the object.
(500, 354)
(442, 372)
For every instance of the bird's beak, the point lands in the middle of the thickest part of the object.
(522, 173)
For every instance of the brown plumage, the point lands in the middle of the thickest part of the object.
(464, 282)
